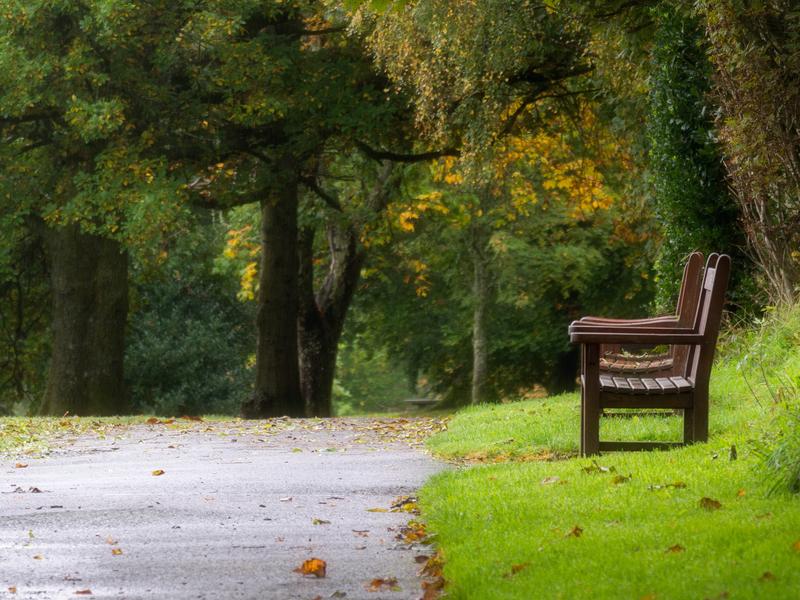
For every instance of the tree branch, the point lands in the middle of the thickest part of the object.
(405, 158)
(330, 200)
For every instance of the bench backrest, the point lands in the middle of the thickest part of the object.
(708, 318)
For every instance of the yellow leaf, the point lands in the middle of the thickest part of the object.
(158, 472)
(116, 551)
(312, 566)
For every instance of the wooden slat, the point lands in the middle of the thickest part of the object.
(709, 281)
(621, 384)
(665, 384)
(682, 384)
(606, 382)
(637, 446)
(650, 384)
(636, 384)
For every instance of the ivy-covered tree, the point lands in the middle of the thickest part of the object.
(691, 194)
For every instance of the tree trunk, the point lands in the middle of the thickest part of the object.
(89, 278)
(277, 390)
(322, 315)
(480, 292)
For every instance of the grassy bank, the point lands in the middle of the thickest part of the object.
(696, 522)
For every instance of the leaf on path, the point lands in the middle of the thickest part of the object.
(405, 504)
(316, 521)
(381, 583)
(576, 531)
(516, 569)
(153, 421)
(191, 418)
(432, 589)
(312, 566)
(710, 504)
(83, 593)
(433, 568)
(12, 589)
(111, 541)
(287, 499)
(38, 557)
(677, 548)
(338, 594)
(116, 551)
(21, 466)
(421, 559)
(413, 532)
(158, 472)
(767, 576)
(381, 510)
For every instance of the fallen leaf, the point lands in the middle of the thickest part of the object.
(338, 594)
(405, 504)
(432, 589)
(620, 479)
(158, 472)
(313, 566)
(21, 466)
(676, 549)
(678, 485)
(576, 531)
(595, 467)
(710, 504)
(153, 421)
(796, 546)
(741, 492)
(648, 597)
(551, 480)
(116, 551)
(38, 557)
(12, 589)
(111, 541)
(516, 569)
(83, 593)
(376, 585)
(316, 521)
(421, 559)
(191, 418)
(381, 510)
(287, 499)
(767, 576)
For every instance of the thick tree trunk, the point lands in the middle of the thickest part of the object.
(277, 390)
(322, 315)
(89, 278)
(481, 296)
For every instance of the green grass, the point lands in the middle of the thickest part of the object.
(504, 529)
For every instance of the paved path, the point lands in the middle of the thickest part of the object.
(239, 506)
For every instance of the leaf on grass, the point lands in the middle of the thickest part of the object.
(381, 583)
(767, 576)
(158, 472)
(191, 418)
(796, 546)
(433, 568)
(678, 485)
(313, 566)
(316, 521)
(550, 480)
(677, 548)
(648, 597)
(710, 504)
(741, 492)
(116, 551)
(576, 531)
(516, 569)
(618, 479)
(595, 467)
(21, 466)
(83, 593)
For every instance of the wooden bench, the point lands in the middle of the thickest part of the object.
(686, 390)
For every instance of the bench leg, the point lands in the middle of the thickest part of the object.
(591, 401)
(688, 425)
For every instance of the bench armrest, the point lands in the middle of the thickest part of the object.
(664, 321)
(586, 333)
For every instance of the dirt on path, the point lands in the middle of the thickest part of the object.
(217, 510)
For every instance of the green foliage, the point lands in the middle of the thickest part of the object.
(691, 196)
(190, 338)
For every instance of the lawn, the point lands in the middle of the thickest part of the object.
(533, 520)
